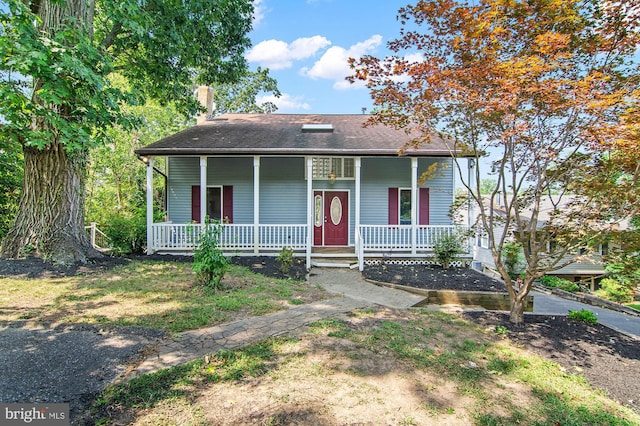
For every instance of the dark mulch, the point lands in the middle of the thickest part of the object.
(433, 277)
(270, 266)
(33, 267)
(607, 359)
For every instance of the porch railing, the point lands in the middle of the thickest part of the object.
(241, 237)
(399, 237)
(234, 237)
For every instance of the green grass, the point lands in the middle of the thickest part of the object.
(179, 383)
(147, 294)
(635, 306)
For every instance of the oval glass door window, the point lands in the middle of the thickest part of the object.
(336, 210)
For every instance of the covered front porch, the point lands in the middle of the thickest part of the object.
(338, 214)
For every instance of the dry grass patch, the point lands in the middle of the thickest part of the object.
(372, 367)
(151, 294)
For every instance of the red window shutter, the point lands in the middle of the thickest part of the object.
(423, 205)
(195, 203)
(393, 206)
(227, 203)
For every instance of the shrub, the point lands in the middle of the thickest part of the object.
(556, 282)
(126, 234)
(447, 249)
(614, 290)
(209, 262)
(583, 315)
(285, 258)
(511, 258)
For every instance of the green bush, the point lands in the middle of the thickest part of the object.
(126, 234)
(583, 315)
(285, 258)
(556, 282)
(209, 263)
(614, 290)
(511, 258)
(447, 249)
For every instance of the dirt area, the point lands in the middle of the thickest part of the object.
(607, 359)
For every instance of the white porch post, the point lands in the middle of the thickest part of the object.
(256, 204)
(150, 247)
(203, 189)
(310, 209)
(358, 166)
(414, 204)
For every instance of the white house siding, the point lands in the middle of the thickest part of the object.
(380, 174)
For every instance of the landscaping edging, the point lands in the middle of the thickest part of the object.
(486, 299)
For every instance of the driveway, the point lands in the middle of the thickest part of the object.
(66, 363)
(549, 304)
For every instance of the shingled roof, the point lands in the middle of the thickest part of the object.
(291, 134)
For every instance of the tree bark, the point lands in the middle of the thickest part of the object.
(50, 218)
(516, 315)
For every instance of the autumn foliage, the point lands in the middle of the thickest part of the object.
(543, 95)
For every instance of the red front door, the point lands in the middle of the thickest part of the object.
(331, 226)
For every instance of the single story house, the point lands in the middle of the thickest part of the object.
(323, 185)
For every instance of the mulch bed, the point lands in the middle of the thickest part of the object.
(609, 360)
(433, 277)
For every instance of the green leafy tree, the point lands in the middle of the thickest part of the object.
(240, 97)
(10, 181)
(548, 88)
(65, 104)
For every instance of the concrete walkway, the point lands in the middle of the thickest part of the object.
(352, 292)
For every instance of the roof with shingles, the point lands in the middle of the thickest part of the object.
(283, 134)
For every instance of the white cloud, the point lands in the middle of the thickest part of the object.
(285, 103)
(277, 54)
(258, 12)
(334, 65)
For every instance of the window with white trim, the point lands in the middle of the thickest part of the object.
(341, 167)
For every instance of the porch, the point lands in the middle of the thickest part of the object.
(269, 239)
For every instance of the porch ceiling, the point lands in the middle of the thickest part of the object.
(282, 134)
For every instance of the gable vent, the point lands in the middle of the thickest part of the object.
(317, 128)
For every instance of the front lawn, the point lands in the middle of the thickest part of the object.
(162, 295)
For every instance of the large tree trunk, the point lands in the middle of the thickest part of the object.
(50, 219)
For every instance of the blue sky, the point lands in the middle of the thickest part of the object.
(306, 44)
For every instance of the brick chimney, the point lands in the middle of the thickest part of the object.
(205, 97)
